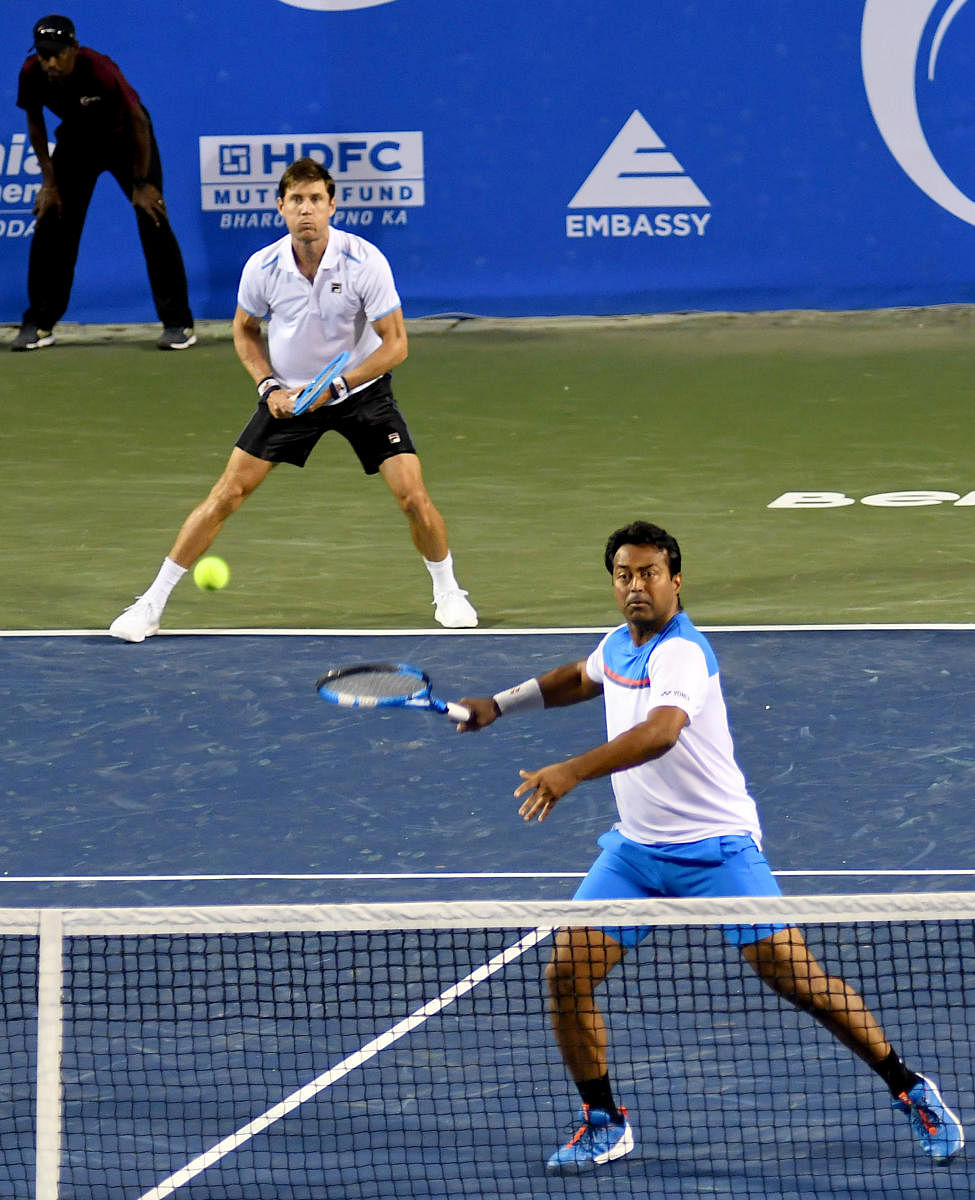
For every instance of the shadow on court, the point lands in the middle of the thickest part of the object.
(211, 759)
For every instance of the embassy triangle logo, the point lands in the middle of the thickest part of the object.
(638, 171)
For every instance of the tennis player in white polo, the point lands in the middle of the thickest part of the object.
(321, 290)
(687, 827)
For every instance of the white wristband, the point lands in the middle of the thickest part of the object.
(267, 385)
(525, 695)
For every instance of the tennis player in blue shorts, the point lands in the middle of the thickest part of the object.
(687, 827)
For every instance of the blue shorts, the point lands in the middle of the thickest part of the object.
(731, 865)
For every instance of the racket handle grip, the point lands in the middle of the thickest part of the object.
(457, 712)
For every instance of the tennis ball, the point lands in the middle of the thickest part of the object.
(211, 574)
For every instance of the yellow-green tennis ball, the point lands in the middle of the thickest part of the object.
(211, 574)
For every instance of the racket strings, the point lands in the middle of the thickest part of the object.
(376, 685)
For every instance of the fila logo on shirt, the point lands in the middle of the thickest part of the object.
(635, 179)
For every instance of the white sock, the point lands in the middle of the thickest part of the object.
(170, 573)
(442, 574)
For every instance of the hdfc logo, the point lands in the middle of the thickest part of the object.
(378, 176)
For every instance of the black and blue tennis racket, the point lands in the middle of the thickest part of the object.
(311, 391)
(385, 685)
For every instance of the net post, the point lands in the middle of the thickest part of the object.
(50, 969)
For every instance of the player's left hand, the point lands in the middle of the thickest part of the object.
(149, 198)
(544, 789)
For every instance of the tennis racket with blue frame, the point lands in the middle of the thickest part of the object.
(385, 685)
(311, 391)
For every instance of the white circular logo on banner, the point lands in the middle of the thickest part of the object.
(890, 44)
(335, 5)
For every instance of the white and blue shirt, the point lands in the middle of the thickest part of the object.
(309, 322)
(696, 790)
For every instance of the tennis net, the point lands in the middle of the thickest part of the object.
(378, 1051)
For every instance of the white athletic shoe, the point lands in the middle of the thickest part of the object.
(138, 622)
(454, 610)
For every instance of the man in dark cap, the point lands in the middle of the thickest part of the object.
(104, 127)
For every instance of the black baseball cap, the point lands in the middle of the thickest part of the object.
(53, 33)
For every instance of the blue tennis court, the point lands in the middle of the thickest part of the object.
(203, 770)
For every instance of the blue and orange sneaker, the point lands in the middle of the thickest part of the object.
(937, 1129)
(598, 1140)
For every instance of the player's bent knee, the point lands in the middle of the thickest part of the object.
(417, 506)
(232, 489)
(226, 498)
(565, 983)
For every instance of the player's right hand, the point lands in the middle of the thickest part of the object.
(484, 712)
(281, 402)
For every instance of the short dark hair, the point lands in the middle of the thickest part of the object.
(305, 170)
(643, 533)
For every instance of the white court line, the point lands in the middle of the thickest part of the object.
(357, 633)
(327, 1078)
(414, 875)
(596, 631)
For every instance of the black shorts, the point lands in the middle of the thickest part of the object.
(369, 421)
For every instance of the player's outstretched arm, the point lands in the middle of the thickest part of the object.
(568, 684)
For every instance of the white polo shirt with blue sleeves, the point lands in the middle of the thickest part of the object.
(309, 323)
(696, 790)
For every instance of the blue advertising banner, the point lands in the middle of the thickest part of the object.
(540, 159)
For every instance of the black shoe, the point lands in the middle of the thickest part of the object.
(32, 338)
(176, 338)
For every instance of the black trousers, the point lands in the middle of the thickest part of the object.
(54, 247)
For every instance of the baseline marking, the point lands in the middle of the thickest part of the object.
(596, 631)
